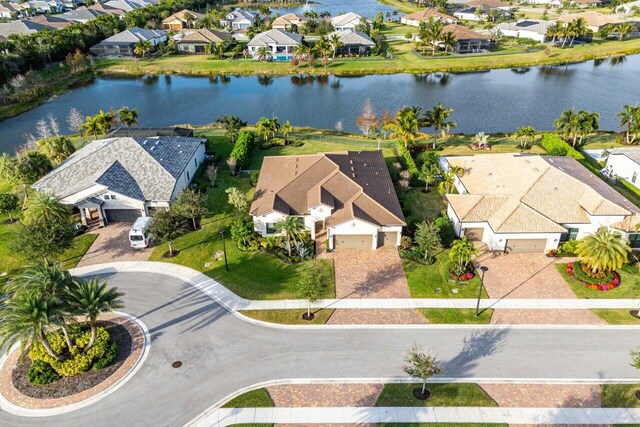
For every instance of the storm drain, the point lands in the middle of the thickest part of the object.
(176, 364)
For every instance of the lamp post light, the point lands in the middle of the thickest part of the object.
(224, 249)
(483, 270)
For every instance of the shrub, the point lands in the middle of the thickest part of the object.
(278, 142)
(409, 163)
(584, 273)
(568, 248)
(297, 143)
(243, 233)
(445, 231)
(245, 143)
(41, 373)
(556, 146)
(253, 178)
(107, 359)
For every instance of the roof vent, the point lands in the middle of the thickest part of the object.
(354, 175)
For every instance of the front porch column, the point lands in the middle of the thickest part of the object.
(83, 216)
(102, 219)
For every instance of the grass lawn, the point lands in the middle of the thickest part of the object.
(466, 316)
(450, 394)
(617, 316)
(253, 399)
(629, 285)
(289, 317)
(620, 396)
(421, 206)
(81, 245)
(458, 145)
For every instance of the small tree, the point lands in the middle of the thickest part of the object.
(75, 120)
(312, 285)
(427, 239)
(43, 240)
(192, 205)
(604, 250)
(461, 253)
(237, 198)
(421, 365)
(233, 164)
(57, 149)
(525, 135)
(8, 203)
(367, 120)
(166, 226)
(212, 174)
(428, 175)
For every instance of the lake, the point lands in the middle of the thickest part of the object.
(367, 8)
(494, 101)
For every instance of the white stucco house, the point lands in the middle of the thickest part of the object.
(347, 21)
(624, 163)
(121, 179)
(530, 203)
(280, 43)
(238, 20)
(347, 198)
(414, 19)
(479, 10)
(534, 29)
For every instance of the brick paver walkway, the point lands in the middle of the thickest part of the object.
(365, 273)
(17, 398)
(380, 317)
(529, 276)
(112, 245)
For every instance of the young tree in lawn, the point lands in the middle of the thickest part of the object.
(91, 299)
(167, 226)
(437, 118)
(312, 285)
(525, 134)
(57, 148)
(237, 199)
(421, 365)
(75, 120)
(44, 240)
(232, 125)
(428, 175)
(43, 129)
(286, 129)
(53, 124)
(461, 253)
(93, 125)
(630, 118)
(233, 165)
(367, 120)
(192, 205)
(427, 239)
(8, 203)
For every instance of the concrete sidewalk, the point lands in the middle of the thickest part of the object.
(233, 302)
(457, 415)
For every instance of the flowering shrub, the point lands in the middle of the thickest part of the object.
(574, 269)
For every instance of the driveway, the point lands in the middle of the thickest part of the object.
(112, 245)
(222, 353)
(529, 276)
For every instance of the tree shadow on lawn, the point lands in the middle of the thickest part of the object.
(480, 344)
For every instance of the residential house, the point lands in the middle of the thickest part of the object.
(81, 14)
(416, 18)
(348, 197)
(280, 43)
(481, 10)
(126, 5)
(624, 163)
(353, 42)
(467, 40)
(123, 43)
(580, 4)
(180, 20)
(629, 8)
(533, 203)
(121, 179)
(197, 41)
(50, 21)
(594, 20)
(238, 20)
(534, 29)
(11, 10)
(20, 28)
(107, 10)
(347, 21)
(46, 6)
(288, 22)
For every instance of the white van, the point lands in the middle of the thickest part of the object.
(138, 236)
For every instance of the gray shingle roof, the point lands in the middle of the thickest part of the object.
(172, 153)
(631, 153)
(354, 38)
(277, 37)
(117, 179)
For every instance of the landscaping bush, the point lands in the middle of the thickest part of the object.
(253, 178)
(243, 234)
(242, 149)
(107, 359)
(297, 143)
(409, 163)
(584, 273)
(576, 272)
(567, 248)
(41, 373)
(445, 231)
(556, 146)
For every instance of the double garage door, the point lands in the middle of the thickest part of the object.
(364, 241)
(526, 245)
(122, 215)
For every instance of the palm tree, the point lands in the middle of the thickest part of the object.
(578, 28)
(480, 139)
(142, 48)
(630, 117)
(525, 134)
(624, 29)
(604, 250)
(406, 126)
(554, 31)
(428, 175)
(45, 208)
(589, 123)
(209, 49)
(461, 253)
(569, 125)
(437, 117)
(91, 299)
(263, 53)
(189, 18)
(93, 125)
(264, 127)
(292, 228)
(128, 117)
(336, 43)
(107, 119)
(449, 40)
(25, 318)
(286, 129)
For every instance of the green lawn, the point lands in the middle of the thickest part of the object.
(450, 394)
(81, 245)
(466, 316)
(421, 206)
(620, 396)
(617, 316)
(458, 145)
(253, 399)
(289, 317)
(629, 285)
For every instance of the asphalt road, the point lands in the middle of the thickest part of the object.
(221, 353)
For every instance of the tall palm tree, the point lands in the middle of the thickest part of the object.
(578, 28)
(293, 229)
(406, 126)
(93, 125)
(624, 29)
(43, 207)
(264, 127)
(263, 53)
(554, 31)
(108, 119)
(286, 130)
(630, 118)
(589, 123)
(91, 299)
(437, 117)
(128, 117)
(449, 40)
(604, 250)
(336, 43)
(142, 48)
(569, 125)
(25, 318)
(525, 134)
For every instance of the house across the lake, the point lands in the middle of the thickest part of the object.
(121, 179)
(534, 29)
(530, 203)
(279, 43)
(346, 197)
(123, 44)
(416, 18)
(238, 20)
(196, 41)
(181, 20)
(288, 22)
(347, 21)
(467, 40)
(353, 42)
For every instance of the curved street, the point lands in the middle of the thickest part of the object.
(221, 353)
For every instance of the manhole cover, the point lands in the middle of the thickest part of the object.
(176, 364)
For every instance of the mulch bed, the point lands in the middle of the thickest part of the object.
(168, 255)
(67, 386)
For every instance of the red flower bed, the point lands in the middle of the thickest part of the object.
(614, 283)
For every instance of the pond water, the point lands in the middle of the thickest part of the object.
(367, 8)
(494, 101)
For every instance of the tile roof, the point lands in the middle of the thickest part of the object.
(205, 35)
(277, 37)
(351, 37)
(356, 184)
(461, 32)
(593, 18)
(345, 18)
(287, 20)
(180, 16)
(530, 193)
(152, 164)
(134, 35)
(487, 3)
(424, 15)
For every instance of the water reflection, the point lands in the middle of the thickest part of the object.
(521, 70)
(433, 78)
(265, 80)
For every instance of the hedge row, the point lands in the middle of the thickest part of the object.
(556, 146)
(409, 163)
(245, 143)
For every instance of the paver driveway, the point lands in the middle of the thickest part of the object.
(112, 245)
(529, 276)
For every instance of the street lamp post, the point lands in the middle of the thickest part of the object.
(224, 249)
(483, 269)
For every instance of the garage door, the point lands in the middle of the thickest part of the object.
(526, 245)
(387, 238)
(364, 241)
(122, 215)
(474, 234)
